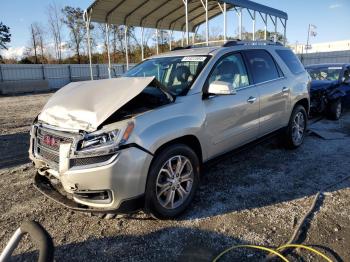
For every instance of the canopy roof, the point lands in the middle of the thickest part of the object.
(167, 14)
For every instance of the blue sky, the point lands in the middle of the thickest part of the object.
(330, 16)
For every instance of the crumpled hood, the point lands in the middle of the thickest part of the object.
(86, 105)
(321, 84)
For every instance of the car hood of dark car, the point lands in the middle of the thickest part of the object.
(317, 85)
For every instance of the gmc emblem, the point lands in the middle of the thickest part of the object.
(51, 141)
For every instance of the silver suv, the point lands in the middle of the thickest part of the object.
(139, 141)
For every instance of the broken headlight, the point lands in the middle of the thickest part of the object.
(101, 142)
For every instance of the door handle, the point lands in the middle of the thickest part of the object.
(285, 89)
(251, 99)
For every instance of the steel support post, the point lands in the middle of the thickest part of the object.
(108, 52)
(157, 42)
(254, 16)
(265, 32)
(186, 16)
(126, 47)
(87, 22)
(240, 23)
(275, 38)
(142, 40)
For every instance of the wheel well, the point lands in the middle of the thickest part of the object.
(305, 103)
(189, 140)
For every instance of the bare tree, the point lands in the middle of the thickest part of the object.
(33, 42)
(55, 27)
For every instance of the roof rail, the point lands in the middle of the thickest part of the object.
(248, 42)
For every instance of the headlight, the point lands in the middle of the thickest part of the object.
(104, 142)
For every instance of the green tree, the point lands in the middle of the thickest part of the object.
(5, 37)
(73, 19)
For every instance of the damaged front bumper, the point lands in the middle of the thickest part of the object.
(106, 183)
(45, 186)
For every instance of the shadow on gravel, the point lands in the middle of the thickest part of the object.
(14, 149)
(182, 244)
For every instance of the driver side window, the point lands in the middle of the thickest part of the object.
(230, 69)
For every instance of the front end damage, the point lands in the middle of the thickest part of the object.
(322, 94)
(85, 154)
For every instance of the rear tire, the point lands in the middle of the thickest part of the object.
(335, 110)
(296, 129)
(172, 181)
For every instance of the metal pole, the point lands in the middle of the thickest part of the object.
(126, 48)
(187, 32)
(265, 33)
(240, 23)
(193, 37)
(285, 32)
(142, 51)
(275, 38)
(254, 16)
(157, 37)
(182, 39)
(308, 38)
(170, 39)
(206, 22)
(225, 23)
(88, 18)
(108, 53)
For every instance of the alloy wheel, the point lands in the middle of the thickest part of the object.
(174, 182)
(298, 128)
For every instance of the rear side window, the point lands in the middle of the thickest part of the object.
(262, 65)
(291, 60)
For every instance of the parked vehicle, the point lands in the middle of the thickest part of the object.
(330, 88)
(139, 141)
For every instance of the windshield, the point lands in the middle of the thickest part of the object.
(325, 73)
(177, 74)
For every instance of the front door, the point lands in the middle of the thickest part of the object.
(231, 120)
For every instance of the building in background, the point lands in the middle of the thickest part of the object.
(322, 47)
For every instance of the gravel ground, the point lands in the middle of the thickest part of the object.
(254, 197)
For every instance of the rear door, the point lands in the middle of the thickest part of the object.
(231, 120)
(273, 89)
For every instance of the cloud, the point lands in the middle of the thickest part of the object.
(13, 52)
(333, 6)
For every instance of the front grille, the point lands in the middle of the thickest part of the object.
(48, 156)
(50, 151)
(89, 160)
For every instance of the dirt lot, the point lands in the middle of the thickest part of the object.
(254, 197)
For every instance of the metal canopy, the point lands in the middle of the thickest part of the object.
(174, 15)
(167, 14)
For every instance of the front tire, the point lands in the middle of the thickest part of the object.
(296, 129)
(172, 181)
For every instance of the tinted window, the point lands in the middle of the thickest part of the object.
(230, 69)
(262, 65)
(330, 73)
(291, 60)
(177, 74)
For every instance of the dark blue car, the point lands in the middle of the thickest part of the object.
(330, 88)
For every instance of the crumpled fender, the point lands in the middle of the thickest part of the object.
(335, 94)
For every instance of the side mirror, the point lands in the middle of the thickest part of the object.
(221, 88)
